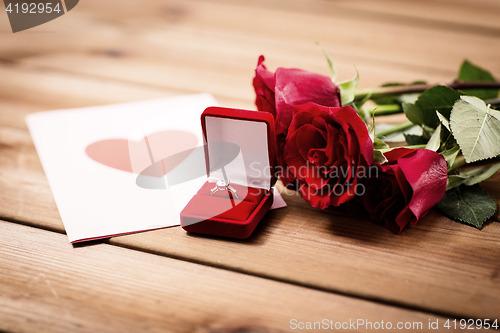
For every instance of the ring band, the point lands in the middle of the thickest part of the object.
(222, 186)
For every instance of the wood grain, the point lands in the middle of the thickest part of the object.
(46, 285)
(425, 267)
(26, 89)
(222, 37)
(106, 52)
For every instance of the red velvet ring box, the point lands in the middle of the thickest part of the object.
(250, 172)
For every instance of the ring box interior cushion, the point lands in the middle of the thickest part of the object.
(246, 159)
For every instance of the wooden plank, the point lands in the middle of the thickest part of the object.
(180, 47)
(223, 29)
(27, 198)
(13, 112)
(383, 42)
(479, 17)
(46, 285)
(25, 195)
(455, 13)
(26, 89)
(223, 84)
(438, 265)
(49, 89)
(209, 72)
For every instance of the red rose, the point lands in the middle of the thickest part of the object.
(263, 83)
(327, 150)
(278, 93)
(406, 187)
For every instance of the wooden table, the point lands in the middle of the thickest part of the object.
(301, 264)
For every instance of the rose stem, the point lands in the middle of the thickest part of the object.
(395, 129)
(385, 150)
(399, 90)
(384, 110)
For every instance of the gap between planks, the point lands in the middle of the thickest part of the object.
(379, 40)
(293, 240)
(438, 265)
(300, 231)
(47, 285)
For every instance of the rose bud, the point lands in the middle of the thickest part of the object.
(406, 187)
(263, 84)
(278, 93)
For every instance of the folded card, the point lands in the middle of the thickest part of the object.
(92, 158)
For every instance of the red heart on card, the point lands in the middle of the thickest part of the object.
(135, 156)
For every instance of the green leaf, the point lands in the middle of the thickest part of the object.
(470, 72)
(469, 204)
(379, 157)
(364, 100)
(443, 121)
(476, 128)
(413, 113)
(450, 155)
(454, 181)
(478, 175)
(347, 89)
(364, 113)
(379, 144)
(472, 177)
(437, 98)
(330, 64)
(435, 140)
(445, 130)
(413, 139)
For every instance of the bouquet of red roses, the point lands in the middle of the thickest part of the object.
(329, 151)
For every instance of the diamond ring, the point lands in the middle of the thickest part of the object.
(222, 186)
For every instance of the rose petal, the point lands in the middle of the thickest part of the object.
(315, 198)
(356, 132)
(308, 136)
(317, 156)
(265, 76)
(296, 87)
(332, 144)
(263, 84)
(292, 157)
(306, 114)
(314, 177)
(343, 194)
(426, 172)
(418, 182)
(404, 218)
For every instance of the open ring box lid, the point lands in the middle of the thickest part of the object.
(240, 148)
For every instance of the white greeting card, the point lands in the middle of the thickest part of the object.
(92, 157)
